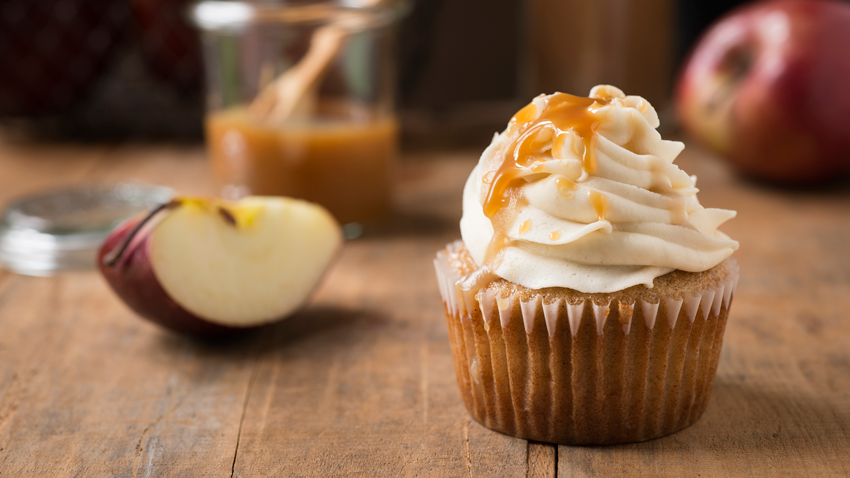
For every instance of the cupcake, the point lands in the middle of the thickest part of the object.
(587, 301)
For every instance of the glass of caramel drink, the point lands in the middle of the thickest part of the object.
(300, 101)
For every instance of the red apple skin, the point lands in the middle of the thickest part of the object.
(133, 279)
(767, 87)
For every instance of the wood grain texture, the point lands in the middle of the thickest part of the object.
(89, 391)
(542, 460)
(27, 168)
(361, 383)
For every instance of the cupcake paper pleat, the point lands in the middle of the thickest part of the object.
(584, 373)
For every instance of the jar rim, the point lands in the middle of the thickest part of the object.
(235, 14)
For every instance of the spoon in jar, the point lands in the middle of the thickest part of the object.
(293, 93)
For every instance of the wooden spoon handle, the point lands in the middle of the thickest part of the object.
(282, 97)
(294, 92)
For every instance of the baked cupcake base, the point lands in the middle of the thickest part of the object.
(559, 366)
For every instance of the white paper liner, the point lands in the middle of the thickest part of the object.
(463, 303)
(549, 377)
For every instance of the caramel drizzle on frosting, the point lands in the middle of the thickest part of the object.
(599, 202)
(563, 116)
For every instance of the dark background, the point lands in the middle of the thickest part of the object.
(95, 69)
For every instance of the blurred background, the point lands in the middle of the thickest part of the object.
(115, 69)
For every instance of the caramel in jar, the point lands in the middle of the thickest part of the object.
(343, 165)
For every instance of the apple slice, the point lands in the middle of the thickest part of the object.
(208, 266)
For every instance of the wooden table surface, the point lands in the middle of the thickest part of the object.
(361, 383)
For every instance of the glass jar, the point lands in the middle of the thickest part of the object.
(62, 229)
(300, 101)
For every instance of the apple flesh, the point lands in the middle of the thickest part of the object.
(208, 266)
(767, 87)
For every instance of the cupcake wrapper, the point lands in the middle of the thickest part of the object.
(585, 373)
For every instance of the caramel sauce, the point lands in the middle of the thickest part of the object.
(558, 145)
(599, 202)
(562, 115)
(554, 235)
(523, 116)
(565, 187)
(525, 226)
(502, 220)
(343, 163)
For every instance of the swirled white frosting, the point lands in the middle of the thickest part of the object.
(557, 237)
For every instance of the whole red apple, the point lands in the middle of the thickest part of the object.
(768, 87)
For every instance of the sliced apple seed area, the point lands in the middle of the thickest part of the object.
(257, 266)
